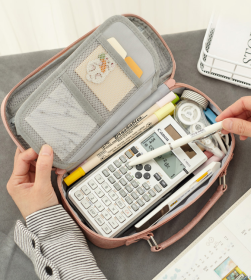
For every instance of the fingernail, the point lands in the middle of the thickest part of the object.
(46, 150)
(227, 124)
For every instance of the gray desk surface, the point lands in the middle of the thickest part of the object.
(135, 261)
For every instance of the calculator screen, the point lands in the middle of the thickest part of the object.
(170, 164)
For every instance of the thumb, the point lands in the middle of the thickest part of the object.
(43, 166)
(237, 126)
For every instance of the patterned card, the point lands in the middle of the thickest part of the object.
(104, 77)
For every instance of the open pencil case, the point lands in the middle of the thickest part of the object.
(76, 111)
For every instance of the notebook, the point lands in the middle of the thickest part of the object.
(223, 251)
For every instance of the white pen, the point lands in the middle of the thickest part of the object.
(178, 143)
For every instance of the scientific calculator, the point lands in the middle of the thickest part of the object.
(115, 196)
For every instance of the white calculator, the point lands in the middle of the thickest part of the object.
(115, 195)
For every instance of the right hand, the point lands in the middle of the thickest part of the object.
(237, 118)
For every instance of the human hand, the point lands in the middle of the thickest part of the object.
(237, 118)
(29, 186)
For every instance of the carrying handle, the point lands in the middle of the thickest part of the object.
(216, 196)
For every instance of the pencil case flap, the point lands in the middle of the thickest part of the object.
(90, 93)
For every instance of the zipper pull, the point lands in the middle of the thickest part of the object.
(170, 83)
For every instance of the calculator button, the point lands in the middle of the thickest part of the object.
(99, 192)
(156, 176)
(120, 203)
(138, 155)
(106, 172)
(117, 174)
(123, 170)
(120, 217)
(106, 215)
(93, 212)
(106, 187)
(117, 186)
(140, 190)
(79, 195)
(122, 193)
(92, 197)
(106, 200)
(127, 212)
(146, 197)
(99, 179)
(129, 177)
(86, 190)
(111, 168)
(92, 184)
(113, 209)
(147, 176)
(128, 166)
(128, 200)
(139, 166)
(141, 202)
(152, 193)
(111, 180)
(99, 220)
(123, 182)
(138, 175)
(146, 186)
(157, 188)
(113, 195)
(134, 150)
(85, 203)
(134, 183)
(123, 158)
(106, 229)
(134, 207)
(113, 223)
(163, 183)
(128, 188)
(134, 195)
(117, 163)
(129, 154)
(99, 206)
(147, 167)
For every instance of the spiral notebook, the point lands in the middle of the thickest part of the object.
(223, 251)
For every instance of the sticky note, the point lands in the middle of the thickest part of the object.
(116, 45)
(134, 66)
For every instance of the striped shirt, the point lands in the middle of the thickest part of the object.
(56, 246)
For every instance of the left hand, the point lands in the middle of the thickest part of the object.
(29, 186)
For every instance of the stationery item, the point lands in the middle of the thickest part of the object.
(208, 162)
(178, 143)
(116, 45)
(223, 251)
(99, 71)
(210, 115)
(133, 65)
(194, 96)
(115, 196)
(172, 201)
(122, 140)
(103, 153)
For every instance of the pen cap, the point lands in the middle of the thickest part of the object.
(164, 111)
(74, 176)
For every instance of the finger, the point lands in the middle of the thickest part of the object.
(243, 138)
(241, 105)
(17, 153)
(43, 167)
(23, 160)
(237, 126)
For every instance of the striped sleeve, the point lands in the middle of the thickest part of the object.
(56, 246)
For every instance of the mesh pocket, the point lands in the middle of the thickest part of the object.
(56, 118)
(108, 95)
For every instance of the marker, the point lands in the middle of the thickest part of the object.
(172, 201)
(178, 143)
(121, 141)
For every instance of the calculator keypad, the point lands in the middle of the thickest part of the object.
(116, 192)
